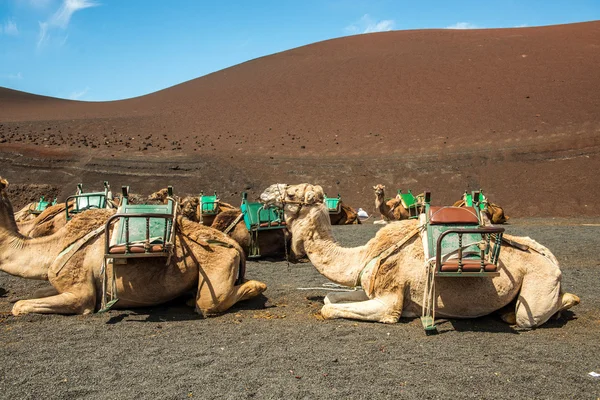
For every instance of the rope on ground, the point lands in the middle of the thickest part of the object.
(333, 287)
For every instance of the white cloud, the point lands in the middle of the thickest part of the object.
(13, 77)
(368, 25)
(522, 26)
(10, 28)
(78, 95)
(463, 25)
(62, 17)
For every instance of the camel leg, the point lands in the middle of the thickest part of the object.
(44, 292)
(339, 297)
(540, 298)
(64, 303)
(245, 291)
(386, 310)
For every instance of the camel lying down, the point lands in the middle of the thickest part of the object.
(531, 277)
(213, 270)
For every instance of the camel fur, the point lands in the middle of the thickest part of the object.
(533, 278)
(211, 269)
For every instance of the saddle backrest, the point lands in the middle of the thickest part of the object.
(333, 204)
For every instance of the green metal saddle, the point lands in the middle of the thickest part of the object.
(259, 218)
(41, 205)
(141, 230)
(413, 204)
(87, 201)
(457, 246)
(209, 205)
(333, 204)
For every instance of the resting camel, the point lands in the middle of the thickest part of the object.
(346, 216)
(392, 210)
(272, 243)
(494, 212)
(76, 278)
(25, 214)
(531, 277)
(47, 222)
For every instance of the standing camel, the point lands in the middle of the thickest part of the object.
(392, 210)
(396, 288)
(76, 279)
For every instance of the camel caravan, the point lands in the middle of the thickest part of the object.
(101, 252)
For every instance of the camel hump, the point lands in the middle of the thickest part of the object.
(224, 219)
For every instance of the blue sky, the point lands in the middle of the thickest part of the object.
(98, 50)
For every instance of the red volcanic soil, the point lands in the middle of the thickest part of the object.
(513, 111)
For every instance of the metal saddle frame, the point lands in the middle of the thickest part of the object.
(259, 218)
(140, 231)
(457, 245)
(87, 201)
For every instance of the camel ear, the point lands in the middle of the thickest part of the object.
(3, 183)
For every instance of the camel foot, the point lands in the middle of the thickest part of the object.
(510, 317)
(20, 308)
(569, 300)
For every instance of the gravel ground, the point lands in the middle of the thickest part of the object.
(277, 346)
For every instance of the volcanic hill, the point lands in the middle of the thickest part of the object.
(513, 111)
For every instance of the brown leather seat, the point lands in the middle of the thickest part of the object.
(453, 215)
(468, 266)
(137, 248)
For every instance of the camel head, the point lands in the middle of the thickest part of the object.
(379, 190)
(160, 197)
(298, 202)
(292, 197)
(189, 208)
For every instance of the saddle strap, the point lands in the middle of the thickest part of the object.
(234, 223)
(70, 251)
(378, 260)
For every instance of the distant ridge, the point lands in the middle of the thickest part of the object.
(456, 97)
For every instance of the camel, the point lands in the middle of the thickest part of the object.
(396, 289)
(494, 212)
(346, 216)
(392, 210)
(49, 221)
(76, 281)
(272, 243)
(25, 214)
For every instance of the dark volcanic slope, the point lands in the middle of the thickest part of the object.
(513, 110)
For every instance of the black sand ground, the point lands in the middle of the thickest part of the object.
(278, 347)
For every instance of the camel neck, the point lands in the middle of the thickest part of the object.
(338, 264)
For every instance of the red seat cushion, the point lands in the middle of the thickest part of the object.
(452, 215)
(274, 223)
(138, 248)
(468, 266)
